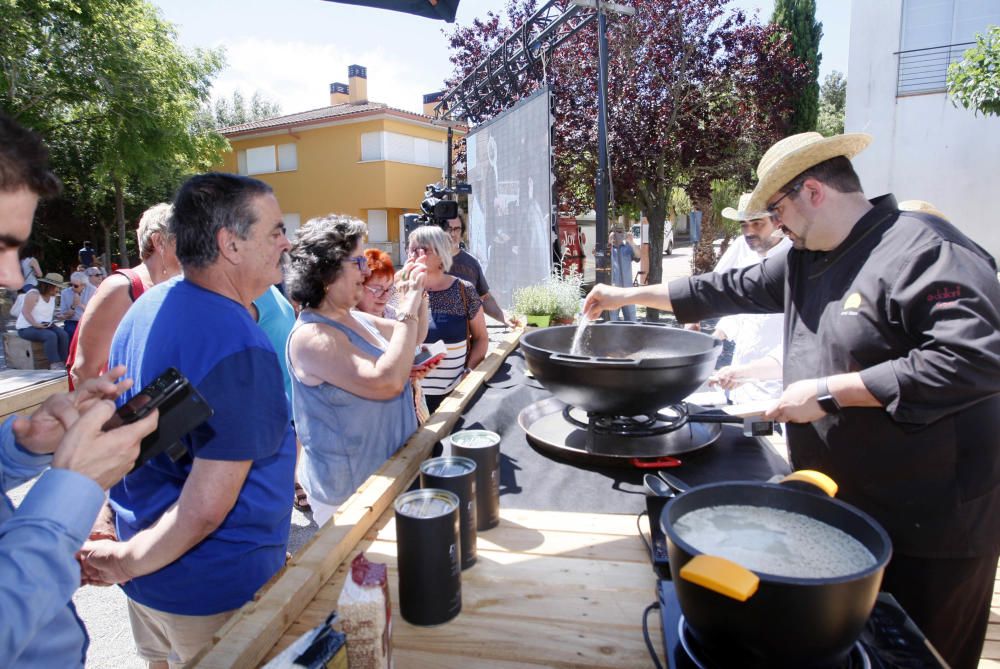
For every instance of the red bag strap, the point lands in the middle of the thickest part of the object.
(135, 288)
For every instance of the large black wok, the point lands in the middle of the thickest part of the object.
(626, 368)
(786, 622)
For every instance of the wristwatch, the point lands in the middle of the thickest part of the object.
(827, 402)
(406, 316)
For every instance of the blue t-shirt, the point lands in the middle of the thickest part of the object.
(215, 343)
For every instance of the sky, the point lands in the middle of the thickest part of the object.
(291, 50)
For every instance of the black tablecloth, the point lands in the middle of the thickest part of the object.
(530, 479)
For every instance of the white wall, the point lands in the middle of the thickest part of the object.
(924, 147)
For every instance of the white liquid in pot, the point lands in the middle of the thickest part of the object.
(774, 541)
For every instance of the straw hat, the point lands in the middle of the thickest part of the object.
(744, 213)
(793, 155)
(53, 279)
(922, 205)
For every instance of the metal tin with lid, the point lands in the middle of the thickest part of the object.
(483, 447)
(458, 475)
(427, 542)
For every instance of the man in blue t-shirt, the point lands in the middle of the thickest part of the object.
(199, 536)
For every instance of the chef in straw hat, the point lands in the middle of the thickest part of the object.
(891, 371)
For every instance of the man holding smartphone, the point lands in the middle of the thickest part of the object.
(184, 524)
(63, 442)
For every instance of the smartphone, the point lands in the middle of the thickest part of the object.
(182, 409)
(430, 352)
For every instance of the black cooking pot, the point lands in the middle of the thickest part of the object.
(625, 368)
(784, 622)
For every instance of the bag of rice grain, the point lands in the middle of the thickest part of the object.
(366, 615)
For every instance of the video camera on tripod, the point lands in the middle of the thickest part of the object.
(438, 207)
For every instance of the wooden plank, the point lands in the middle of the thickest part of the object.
(22, 391)
(247, 638)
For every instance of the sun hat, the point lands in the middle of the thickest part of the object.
(53, 279)
(744, 213)
(793, 155)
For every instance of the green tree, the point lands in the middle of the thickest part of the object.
(799, 18)
(832, 104)
(116, 99)
(236, 110)
(974, 81)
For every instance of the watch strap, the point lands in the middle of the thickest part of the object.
(827, 402)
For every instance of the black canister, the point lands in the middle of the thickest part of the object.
(427, 543)
(483, 448)
(457, 475)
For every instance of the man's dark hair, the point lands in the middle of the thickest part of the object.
(207, 203)
(316, 258)
(445, 225)
(24, 161)
(837, 173)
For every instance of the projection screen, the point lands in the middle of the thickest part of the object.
(510, 208)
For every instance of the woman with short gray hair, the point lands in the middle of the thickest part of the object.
(351, 396)
(88, 352)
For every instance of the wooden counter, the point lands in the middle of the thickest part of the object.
(550, 589)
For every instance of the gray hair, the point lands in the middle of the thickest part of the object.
(437, 239)
(79, 277)
(316, 258)
(207, 203)
(155, 219)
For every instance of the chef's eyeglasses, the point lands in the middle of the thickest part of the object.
(360, 262)
(455, 228)
(773, 207)
(379, 291)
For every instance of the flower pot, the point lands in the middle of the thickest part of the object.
(539, 320)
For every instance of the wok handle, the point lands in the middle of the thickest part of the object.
(722, 576)
(567, 357)
(809, 480)
(659, 463)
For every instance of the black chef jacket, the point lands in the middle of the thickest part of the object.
(913, 305)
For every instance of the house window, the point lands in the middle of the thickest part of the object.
(934, 34)
(401, 148)
(267, 159)
(292, 223)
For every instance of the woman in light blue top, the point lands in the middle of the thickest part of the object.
(351, 396)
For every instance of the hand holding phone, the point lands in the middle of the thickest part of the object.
(181, 407)
(430, 354)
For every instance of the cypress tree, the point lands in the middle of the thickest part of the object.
(798, 17)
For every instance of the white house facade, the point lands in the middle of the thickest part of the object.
(925, 148)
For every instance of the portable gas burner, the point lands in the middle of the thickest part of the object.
(646, 440)
(890, 640)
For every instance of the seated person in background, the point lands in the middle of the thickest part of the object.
(95, 275)
(379, 291)
(158, 251)
(73, 300)
(456, 316)
(755, 371)
(30, 269)
(36, 320)
(351, 399)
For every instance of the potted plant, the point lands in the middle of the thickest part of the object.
(557, 298)
(537, 302)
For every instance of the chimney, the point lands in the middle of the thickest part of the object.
(358, 78)
(430, 101)
(339, 93)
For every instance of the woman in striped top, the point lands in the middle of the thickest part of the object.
(456, 314)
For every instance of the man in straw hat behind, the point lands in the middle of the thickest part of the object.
(755, 371)
(891, 371)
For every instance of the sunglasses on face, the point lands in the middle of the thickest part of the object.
(379, 291)
(360, 262)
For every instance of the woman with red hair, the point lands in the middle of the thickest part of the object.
(375, 300)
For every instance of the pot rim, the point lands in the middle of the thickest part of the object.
(880, 562)
(592, 362)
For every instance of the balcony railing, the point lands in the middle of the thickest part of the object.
(926, 70)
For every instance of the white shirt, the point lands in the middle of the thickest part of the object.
(756, 335)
